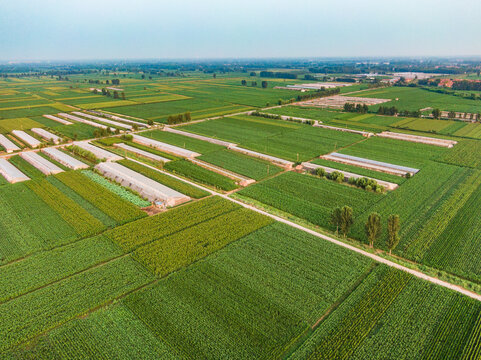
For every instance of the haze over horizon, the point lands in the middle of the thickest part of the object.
(187, 29)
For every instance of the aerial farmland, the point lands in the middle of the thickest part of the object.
(189, 225)
(210, 181)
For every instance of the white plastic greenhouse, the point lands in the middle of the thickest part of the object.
(200, 137)
(115, 117)
(57, 119)
(146, 187)
(40, 163)
(418, 139)
(11, 173)
(8, 145)
(171, 149)
(47, 135)
(143, 153)
(85, 121)
(93, 117)
(98, 152)
(371, 164)
(26, 138)
(64, 159)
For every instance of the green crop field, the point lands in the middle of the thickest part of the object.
(108, 202)
(91, 270)
(389, 303)
(309, 197)
(241, 164)
(396, 152)
(240, 129)
(287, 140)
(407, 98)
(201, 175)
(184, 142)
(231, 285)
(465, 153)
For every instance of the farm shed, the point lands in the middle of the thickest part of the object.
(313, 168)
(47, 135)
(143, 153)
(98, 152)
(284, 163)
(64, 159)
(171, 149)
(93, 117)
(85, 121)
(7, 144)
(148, 188)
(418, 139)
(370, 164)
(40, 163)
(200, 137)
(26, 138)
(57, 119)
(11, 173)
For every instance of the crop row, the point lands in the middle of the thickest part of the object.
(166, 180)
(140, 232)
(108, 202)
(241, 164)
(465, 153)
(440, 220)
(32, 314)
(28, 224)
(111, 333)
(396, 152)
(241, 129)
(45, 267)
(308, 197)
(457, 249)
(173, 252)
(454, 329)
(303, 144)
(362, 318)
(200, 174)
(252, 299)
(77, 217)
(473, 347)
(415, 202)
(420, 312)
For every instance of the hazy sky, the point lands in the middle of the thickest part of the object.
(133, 29)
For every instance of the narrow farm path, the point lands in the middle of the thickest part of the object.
(374, 257)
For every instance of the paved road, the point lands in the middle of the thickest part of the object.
(374, 257)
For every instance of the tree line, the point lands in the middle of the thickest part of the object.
(179, 118)
(106, 92)
(358, 108)
(342, 219)
(278, 75)
(254, 83)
